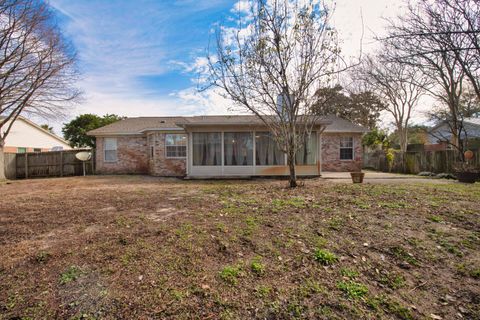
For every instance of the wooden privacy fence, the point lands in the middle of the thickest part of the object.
(416, 161)
(46, 164)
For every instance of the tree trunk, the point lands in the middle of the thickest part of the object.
(292, 179)
(403, 139)
(2, 162)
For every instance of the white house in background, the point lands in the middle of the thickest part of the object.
(26, 136)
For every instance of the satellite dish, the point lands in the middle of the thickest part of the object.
(83, 156)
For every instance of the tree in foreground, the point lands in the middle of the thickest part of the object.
(272, 62)
(37, 66)
(75, 131)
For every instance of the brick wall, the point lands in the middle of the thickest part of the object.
(132, 156)
(159, 164)
(331, 153)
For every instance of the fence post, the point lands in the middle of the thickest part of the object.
(26, 165)
(61, 163)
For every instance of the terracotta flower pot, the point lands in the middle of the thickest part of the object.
(468, 154)
(357, 177)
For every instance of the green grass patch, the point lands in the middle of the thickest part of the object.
(390, 306)
(325, 257)
(401, 254)
(230, 274)
(393, 281)
(294, 202)
(435, 218)
(257, 266)
(349, 273)
(335, 223)
(72, 274)
(352, 289)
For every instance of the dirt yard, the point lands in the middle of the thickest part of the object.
(146, 248)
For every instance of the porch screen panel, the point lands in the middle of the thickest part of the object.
(238, 148)
(307, 154)
(207, 149)
(267, 152)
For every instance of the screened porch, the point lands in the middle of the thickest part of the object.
(247, 153)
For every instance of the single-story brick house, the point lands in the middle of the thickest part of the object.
(215, 146)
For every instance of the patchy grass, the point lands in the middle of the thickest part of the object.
(71, 274)
(133, 247)
(352, 289)
(230, 274)
(325, 257)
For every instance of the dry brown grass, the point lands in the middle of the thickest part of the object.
(140, 247)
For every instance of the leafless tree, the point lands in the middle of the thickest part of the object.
(283, 48)
(429, 37)
(37, 66)
(450, 27)
(393, 82)
(445, 129)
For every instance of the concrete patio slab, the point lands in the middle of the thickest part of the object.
(383, 177)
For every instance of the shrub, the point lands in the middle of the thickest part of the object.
(325, 257)
(445, 176)
(426, 174)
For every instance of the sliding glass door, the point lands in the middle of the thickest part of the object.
(267, 153)
(307, 154)
(207, 149)
(238, 148)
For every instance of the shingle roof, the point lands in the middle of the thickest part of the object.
(341, 125)
(141, 124)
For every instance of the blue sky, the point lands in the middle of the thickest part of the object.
(138, 58)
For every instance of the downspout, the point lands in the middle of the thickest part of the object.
(319, 145)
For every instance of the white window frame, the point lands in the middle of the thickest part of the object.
(105, 150)
(340, 148)
(176, 145)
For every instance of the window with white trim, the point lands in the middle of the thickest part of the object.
(346, 148)
(110, 149)
(175, 145)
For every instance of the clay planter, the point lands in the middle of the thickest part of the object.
(467, 177)
(357, 177)
(468, 154)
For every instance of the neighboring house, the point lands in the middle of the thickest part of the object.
(26, 136)
(440, 135)
(211, 146)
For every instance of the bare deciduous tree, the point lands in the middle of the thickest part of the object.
(37, 66)
(393, 82)
(449, 27)
(433, 38)
(283, 49)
